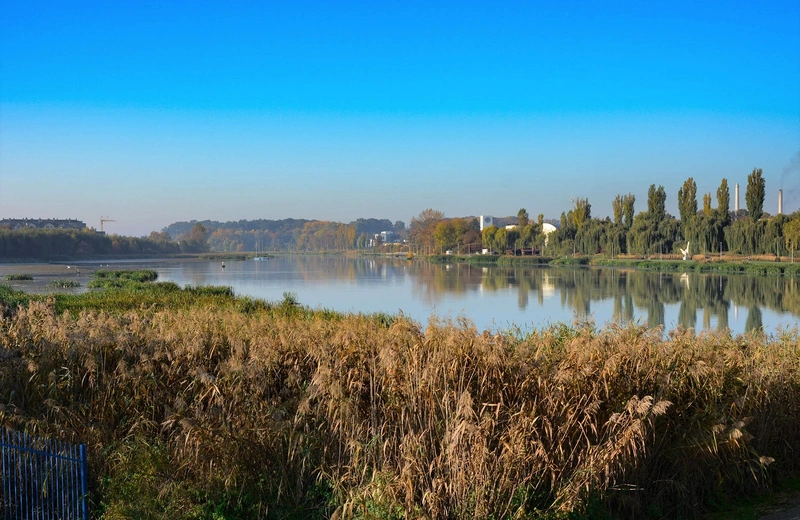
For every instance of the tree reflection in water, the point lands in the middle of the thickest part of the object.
(627, 289)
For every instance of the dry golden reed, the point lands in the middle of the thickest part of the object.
(276, 413)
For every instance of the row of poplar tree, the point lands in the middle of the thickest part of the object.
(708, 230)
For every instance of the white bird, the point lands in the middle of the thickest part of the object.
(685, 251)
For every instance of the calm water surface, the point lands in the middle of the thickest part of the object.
(496, 297)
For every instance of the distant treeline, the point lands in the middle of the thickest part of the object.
(33, 243)
(288, 234)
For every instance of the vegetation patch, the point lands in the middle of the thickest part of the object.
(63, 284)
(16, 277)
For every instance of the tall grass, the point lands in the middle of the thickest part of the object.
(206, 405)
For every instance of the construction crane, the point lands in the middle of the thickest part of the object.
(103, 220)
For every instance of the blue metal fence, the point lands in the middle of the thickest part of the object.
(41, 479)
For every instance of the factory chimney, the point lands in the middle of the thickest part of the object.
(736, 201)
(780, 202)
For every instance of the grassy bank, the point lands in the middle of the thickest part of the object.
(198, 404)
(759, 267)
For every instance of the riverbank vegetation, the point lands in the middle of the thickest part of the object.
(738, 266)
(196, 403)
(653, 232)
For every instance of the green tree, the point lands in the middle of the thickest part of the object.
(724, 202)
(522, 218)
(617, 209)
(627, 209)
(582, 212)
(791, 233)
(656, 203)
(487, 237)
(754, 196)
(687, 201)
(445, 234)
(500, 243)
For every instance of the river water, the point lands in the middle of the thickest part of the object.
(501, 298)
(492, 297)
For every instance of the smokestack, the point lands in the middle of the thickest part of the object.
(780, 202)
(736, 200)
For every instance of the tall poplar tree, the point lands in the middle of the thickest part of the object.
(522, 218)
(656, 203)
(627, 209)
(724, 202)
(616, 206)
(687, 201)
(755, 194)
(707, 204)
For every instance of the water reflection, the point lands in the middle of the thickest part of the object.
(689, 300)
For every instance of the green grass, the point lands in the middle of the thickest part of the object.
(12, 298)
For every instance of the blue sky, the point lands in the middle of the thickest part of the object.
(154, 113)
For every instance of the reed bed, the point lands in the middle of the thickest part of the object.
(17, 277)
(63, 284)
(214, 408)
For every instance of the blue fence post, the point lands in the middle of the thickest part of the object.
(41, 478)
(84, 484)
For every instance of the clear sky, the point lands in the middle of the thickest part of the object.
(153, 112)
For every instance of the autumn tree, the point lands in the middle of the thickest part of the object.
(423, 226)
(197, 240)
(754, 196)
(707, 205)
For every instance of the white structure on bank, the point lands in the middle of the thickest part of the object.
(685, 252)
(486, 221)
(547, 228)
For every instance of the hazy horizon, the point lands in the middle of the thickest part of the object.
(152, 114)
